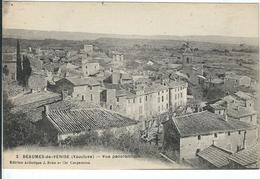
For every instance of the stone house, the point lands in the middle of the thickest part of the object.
(245, 159)
(185, 136)
(192, 71)
(117, 59)
(139, 103)
(238, 106)
(85, 89)
(233, 81)
(90, 68)
(178, 94)
(88, 49)
(242, 114)
(215, 157)
(118, 77)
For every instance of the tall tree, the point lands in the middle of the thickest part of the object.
(19, 72)
(27, 70)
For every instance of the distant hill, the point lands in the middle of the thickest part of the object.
(61, 35)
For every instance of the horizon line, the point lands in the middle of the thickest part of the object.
(255, 37)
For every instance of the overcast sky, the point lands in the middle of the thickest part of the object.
(142, 19)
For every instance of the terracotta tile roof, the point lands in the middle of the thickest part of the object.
(71, 104)
(112, 86)
(219, 105)
(206, 122)
(243, 95)
(29, 98)
(68, 121)
(215, 155)
(123, 92)
(78, 81)
(155, 88)
(229, 99)
(235, 76)
(247, 156)
(236, 111)
(126, 76)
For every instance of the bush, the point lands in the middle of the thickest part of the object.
(125, 142)
(17, 128)
(89, 138)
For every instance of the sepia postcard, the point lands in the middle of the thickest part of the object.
(109, 85)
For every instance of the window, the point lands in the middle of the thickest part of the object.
(13, 76)
(159, 93)
(197, 151)
(145, 98)
(111, 107)
(129, 101)
(90, 87)
(140, 99)
(251, 118)
(215, 135)
(239, 132)
(91, 97)
(181, 95)
(162, 91)
(228, 133)
(162, 98)
(199, 137)
(238, 148)
(83, 97)
(175, 96)
(134, 100)
(158, 99)
(117, 99)
(167, 106)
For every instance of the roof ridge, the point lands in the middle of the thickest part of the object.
(193, 114)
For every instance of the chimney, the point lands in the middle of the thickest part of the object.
(46, 110)
(64, 94)
(225, 117)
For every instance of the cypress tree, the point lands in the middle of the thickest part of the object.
(19, 72)
(27, 70)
